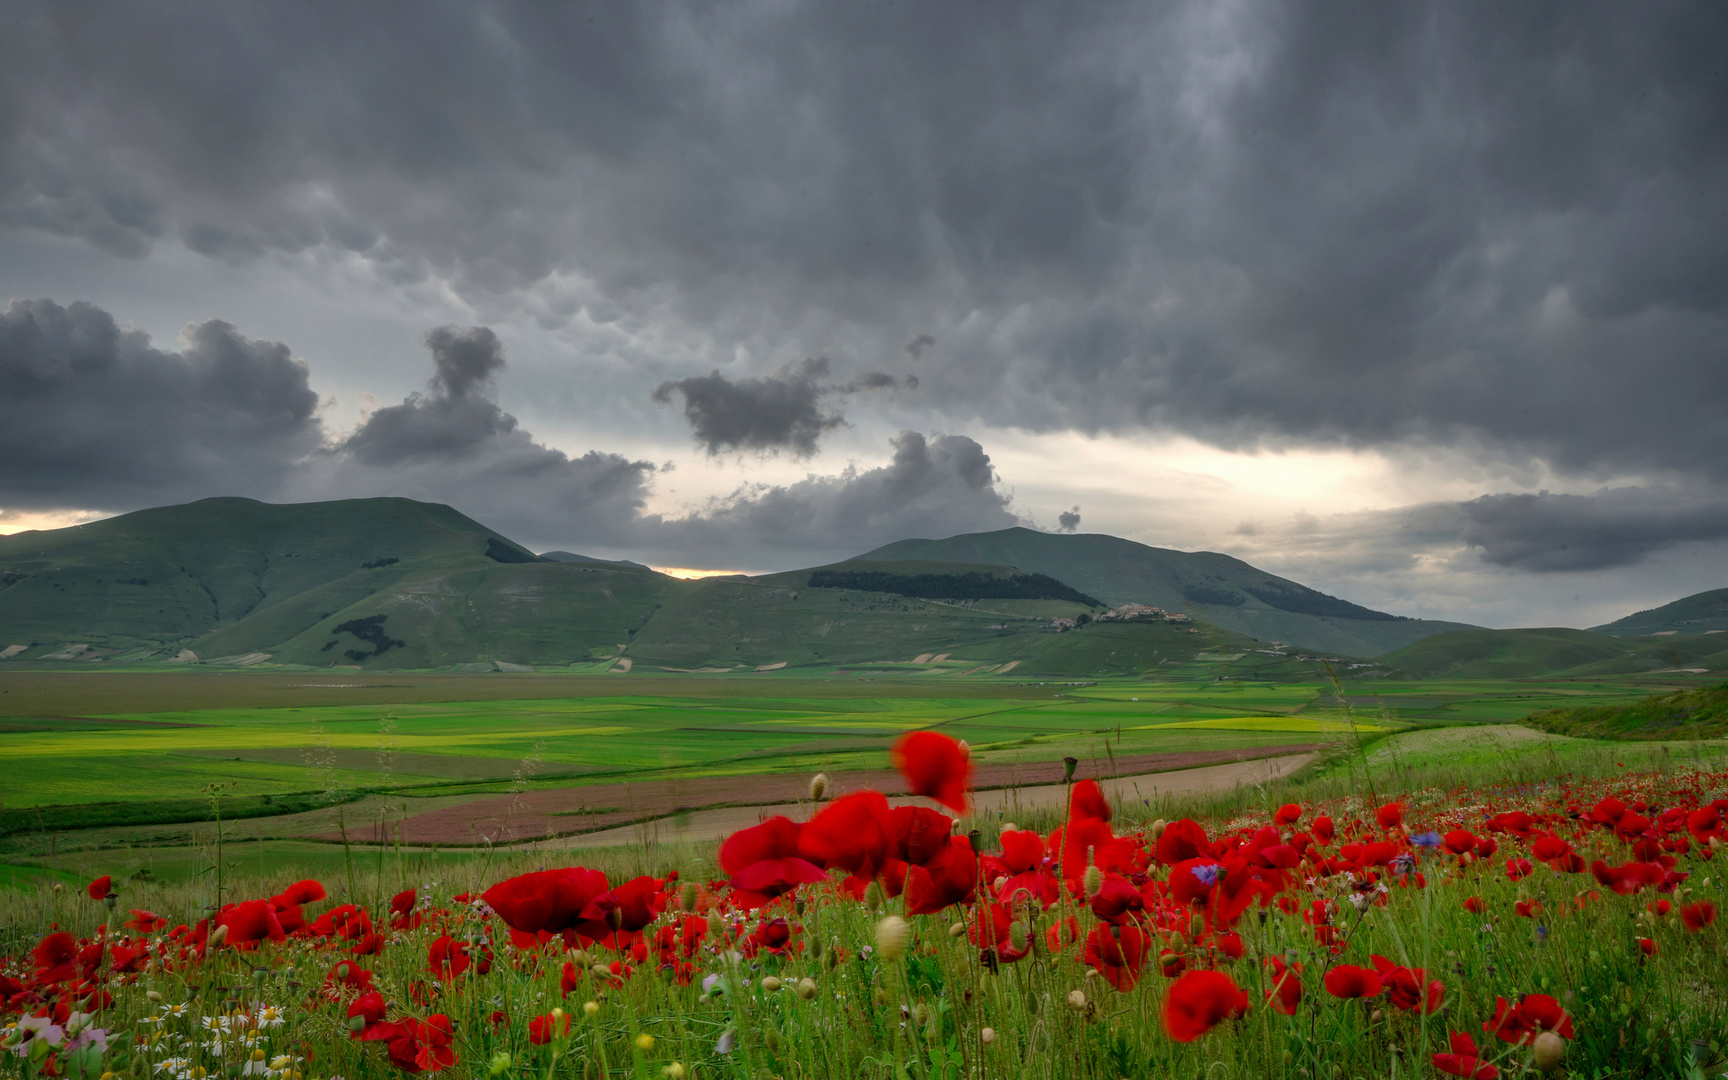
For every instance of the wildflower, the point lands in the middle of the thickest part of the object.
(851, 833)
(1465, 1060)
(1350, 981)
(763, 862)
(1475, 905)
(100, 888)
(1118, 952)
(1696, 916)
(1405, 986)
(936, 766)
(447, 958)
(543, 1029)
(644, 1042)
(1286, 989)
(1390, 816)
(1519, 1024)
(1647, 946)
(423, 1046)
(987, 1035)
(1199, 1001)
(552, 901)
(1427, 841)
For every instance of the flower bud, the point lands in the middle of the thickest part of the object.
(1068, 764)
(356, 1023)
(600, 971)
(1018, 936)
(873, 898)
(957, 930)
(218, 936)
(687, 896)
(674, 1071)
(644, 1042)
(807, 988)
(1009, 826)
(818, 787)
(921, 1014)
(770, 983)
(987, 1036)
(891, 936)
(1158, 828)
(1077, 1000)
(589, 1008)
(1547, 1051)
(152, 995)
(499, 1064)
(1093, 880)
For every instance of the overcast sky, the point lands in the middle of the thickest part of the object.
(1425, 305)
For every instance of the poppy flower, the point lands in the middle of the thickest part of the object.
(447, 958)
(301, 892)
(1199, 1001)
(1181, 841)
(918, 834)
(1116, 900)
(949, 878)
(55, 957)
(774, 934)
(851, 833)
(992, 928)
(251, 922)
(346, 975)
(145, 921)
(542, 1029)
(1519, 869)
(1350, 981)
(552, 901)
(1323, 830)
(763, 862)
(100, 888)
(935, 766)
(1475, 905)
(1520, 1024)
(1465, 1060)
(1022, 850)
(1086, 802)
(423, 1046)
(1118, 953)
(403, 902)
(369, 1009)
(640, 901)
(1647, 946)
(1528, 908)
(1409, 988)
(1698, 915)
(1285, 993)
(1288, 815)
(1390, 816)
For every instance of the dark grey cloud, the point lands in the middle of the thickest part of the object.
(1068, 520)
(1614, 527)
(456, 418)
(93, 416)
(1497, 226)
(782, 411)
(915, 348)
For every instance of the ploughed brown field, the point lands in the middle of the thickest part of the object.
(568, 811)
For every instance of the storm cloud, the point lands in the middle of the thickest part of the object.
(1615, 527)
(1068, 520)
(783, 411)
(1474, 225)
(93, 416)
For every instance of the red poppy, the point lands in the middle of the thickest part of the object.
(851, 833)
(1475, 905)
(145, 921)
(640, 901)
(992, 927)
(1409, 988)
(403, 902)
(1533, 1015)
(346, 975)
(250, 923)
(1390, 816)
(1288, 815)
(1285, 993)
(1528, 908)
(935, 766)
(1519, 869)
(55, 958)
(1118, 952)
(541, 1028)
(1199, 1001)
(763, 862)
(1465, 1060)
(1698, 915)
(301, 892)
(1117, 900)
(1647, 946)
(775, 935)
(948, 878)
(1458, 842)
(447, 958)
(918, 834)
(100, 888)
(553, 901)
(1022, 850)
(369, 1009)
(1181, 841)
(1322, 830)
(1350, 981)
(1086, 802)
(423, 1047)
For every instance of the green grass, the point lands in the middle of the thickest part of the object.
(1696, 714)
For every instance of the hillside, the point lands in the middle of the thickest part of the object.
(1700, 613)
(1525, 654)
(355, 581)
(1688, 714)
(1224, 591)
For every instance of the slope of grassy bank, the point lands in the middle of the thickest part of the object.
(1686, 714)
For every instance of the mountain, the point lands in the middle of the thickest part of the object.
(1700, 613)
(400, 582)
(571, 556)
(1528, 654)
(1224, 591)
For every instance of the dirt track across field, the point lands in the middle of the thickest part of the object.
(580, 813)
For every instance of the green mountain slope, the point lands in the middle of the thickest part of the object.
(1700, 613)
(233, 576)
(1524, 654)
(1688, 714)
(1224, 591)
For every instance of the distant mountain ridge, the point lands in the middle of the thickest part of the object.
(1224, 591)
(1699, 613)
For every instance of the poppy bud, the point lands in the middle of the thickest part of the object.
(879, 996)
(1158, 828)
(644, 1042)
(687, 897)
(589, 1008)
(356, 1023)
(580, 956)
(818, 787)
(1068, 764)
(987, 1036)
(1548, 1050)
(1018, 935)
(600, 971)
(957, 930)
(996, 886)
(1196, 928)
(1093, 880)
(770, 984)
(152, 995)
(807, 988)
(921, 1014)
(1076, 1000)
(716, 924)
(1009, 826)
(873, 896)
(615, 918)
(674, 1071)
(218, 936)
(499, 1064)
(891, 935)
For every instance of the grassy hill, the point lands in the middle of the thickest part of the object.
(1224, 591)
(1700, 613)
(1524, 654)
(397, 584)
(1688, 714)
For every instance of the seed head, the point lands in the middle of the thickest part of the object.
(818, 787)
(1548, 1050)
